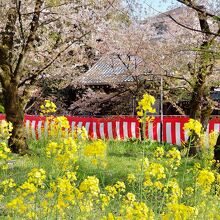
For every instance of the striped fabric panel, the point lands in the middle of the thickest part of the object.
(119, 127)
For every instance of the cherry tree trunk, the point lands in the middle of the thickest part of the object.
(15, 114)
(200, 109)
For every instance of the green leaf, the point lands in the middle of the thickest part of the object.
(2, 109)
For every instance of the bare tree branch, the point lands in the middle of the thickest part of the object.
(18, 6)
(174, 103)
(33, 28)
(193, 29)
(198, 8)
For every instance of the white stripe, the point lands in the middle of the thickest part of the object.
(150, 130)
(168, 133)
(118, 129)
(186, 135)
(39, 126)
(27, 125)
(87, 127)
(33, 129)
(125, 128)
(73, 126)
(79, 125)
(217, 127)
(94, 130)
(133, 129)
(110, 134)
(158, 132)
(101, 129)
(46, 129)
(178, 135)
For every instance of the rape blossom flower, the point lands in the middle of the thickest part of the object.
(6, 129)
(48, 107)
(156, 170)
(193, 126)
(7, 184)
(131, 178)
(179, 211)
(90, 185)
(111, 191)
(159, 152)
(136, 210)
(174, 157)
(62, 122)
(205, 179)
(145, 104)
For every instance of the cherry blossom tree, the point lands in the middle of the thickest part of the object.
(42, 39)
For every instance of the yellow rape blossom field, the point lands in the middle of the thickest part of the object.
(72, 178)
(67, 176)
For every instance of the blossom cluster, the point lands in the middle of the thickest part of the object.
(48, 107)
(6, 131)
(96, 150)
(145, 105)
(193, 126)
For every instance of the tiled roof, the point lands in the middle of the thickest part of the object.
(111, 69)
(216, 95)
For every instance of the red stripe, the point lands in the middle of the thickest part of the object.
(36, 130)
(121, 130)
(98, 130)
(2, 117)
(211, 126)
(129, 130)
(90, 130)
(173, 132)
(75, 127)
(106, 129)
(114, 129)
(83, 123)
(155, 135)
(137, 130)
(182, 136)
(146, 130)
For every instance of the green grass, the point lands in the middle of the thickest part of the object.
(123, 158)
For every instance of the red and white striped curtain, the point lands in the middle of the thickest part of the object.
(120, 127)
